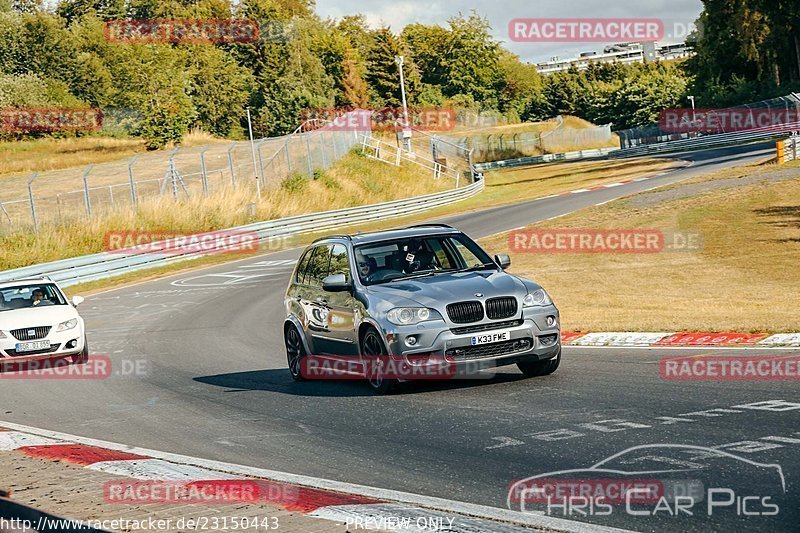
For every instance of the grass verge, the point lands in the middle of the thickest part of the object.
(744, 278)
(354, 180)
(500, 190)
(42, 155)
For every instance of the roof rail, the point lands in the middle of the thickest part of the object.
(430, 225)
(28, 278)
(336, 236)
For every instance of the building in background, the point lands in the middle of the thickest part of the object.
(618, 53)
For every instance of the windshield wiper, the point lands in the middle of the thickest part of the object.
(483, 266)
(425, 274)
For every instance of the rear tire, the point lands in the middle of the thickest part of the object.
(295, 351)
(533, 369)
(372, 347)
(82, 357)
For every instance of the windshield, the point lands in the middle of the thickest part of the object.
(385, 261)
(30, 296)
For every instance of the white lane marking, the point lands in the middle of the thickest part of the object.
(609, 185)
(391, 516)
(504, 442)
(416, 519)
(684, 348)
(576, 191)
(225, 278)
(156, 469)
(11, 440)
(463, 508)
(197, 269)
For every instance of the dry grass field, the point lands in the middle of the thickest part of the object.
(744, 277)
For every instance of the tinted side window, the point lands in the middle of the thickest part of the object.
(339, 262)
(318, 266)
(303, 265)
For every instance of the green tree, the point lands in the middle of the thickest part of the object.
(151, 79)
(472, 60)
(219, 90)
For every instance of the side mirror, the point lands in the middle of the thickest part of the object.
(336, 283)
(503, 260)
(77, 300)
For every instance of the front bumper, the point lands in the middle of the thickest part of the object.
(530, 339)
(59, 343)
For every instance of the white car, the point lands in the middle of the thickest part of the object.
(38, 322)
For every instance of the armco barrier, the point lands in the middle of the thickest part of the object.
(105, 265)
(547, 158)
(709, 141)
(683, 145)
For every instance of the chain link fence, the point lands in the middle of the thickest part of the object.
(438, 155)
(499, 146)
(59, 196)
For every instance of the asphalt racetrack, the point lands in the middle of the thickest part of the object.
(215, 385)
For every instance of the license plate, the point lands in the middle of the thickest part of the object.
(489, 338)
(32, 346)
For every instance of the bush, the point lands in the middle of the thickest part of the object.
(295, 183)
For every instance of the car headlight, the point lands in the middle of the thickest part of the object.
(69, 324)
(538, 297)
(407, 316)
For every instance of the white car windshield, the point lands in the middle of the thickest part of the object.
(30, 296)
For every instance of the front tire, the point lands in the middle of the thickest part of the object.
(533, 369)
(295, 351)
(372, 347)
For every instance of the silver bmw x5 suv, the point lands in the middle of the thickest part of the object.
(426, 289)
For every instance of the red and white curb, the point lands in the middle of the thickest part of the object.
(673, 339)
(370, 507)
(619, 183)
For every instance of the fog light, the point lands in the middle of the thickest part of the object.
(411, 340)
(551, 321)
(73, 343)
(548, 340)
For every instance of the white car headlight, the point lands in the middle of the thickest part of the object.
(539, 297)
(69, 324)
(407, 316)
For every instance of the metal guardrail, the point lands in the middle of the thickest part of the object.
(709, 141)
(698, 143)
(105, 265)
(547, 158)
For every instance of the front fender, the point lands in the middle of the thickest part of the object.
(293, 320)
(375, 324)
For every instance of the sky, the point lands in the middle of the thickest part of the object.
(398, 13)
